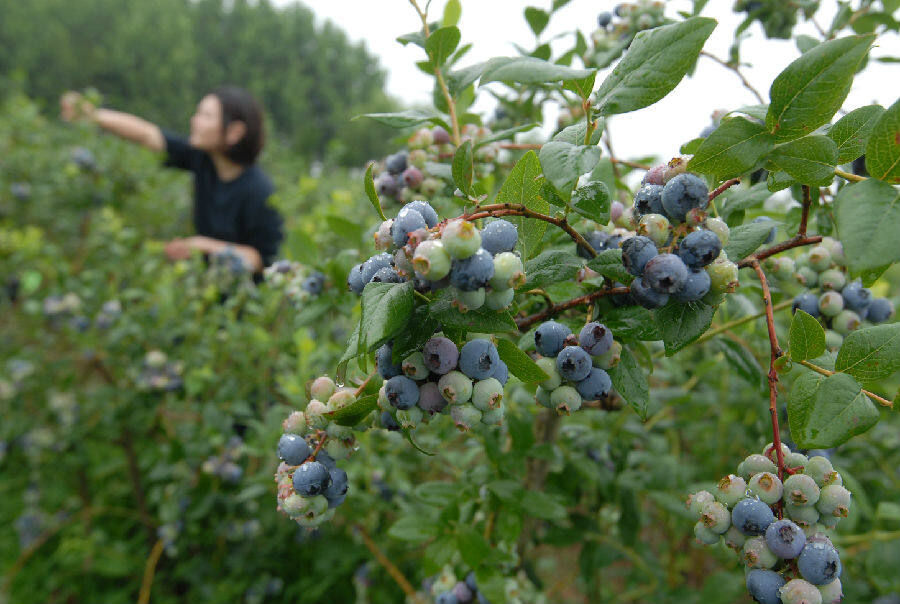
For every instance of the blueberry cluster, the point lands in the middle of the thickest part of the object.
(83, 158)
(791, 559)
(466, 383)
(461, 592)
(21, 191)
(158, 373)
(777, 18)
(576, 366)
(840, 305)
(404, 176)
(616, 29)
(671, 268)
(478, 265)
(225, 464)
(298, 282)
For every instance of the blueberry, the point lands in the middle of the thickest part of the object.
(447, 597)
(462, 592)
(548, 366)
(752, 517)
(767, 487)
(798, 591)
(764, 585)
(596, 239)
(654, 226)
(705, 535)
(455, 387)
(700, 248)
(338, 486)
(388, 186)
(757, 554)
(414, 366)
(695, 287)
(465, 416)
(471, 300)
(772, 233)
(431, 261)
(412, 177)
(499, 236)
(430, 399)
(648, 200)
(683, 193)
(834, 500)
(645, 296)
(401, 392)
(374, 264)
(596, 385)
(880, 310)
(314, 283)
(665, 273)
(354, 279)
(832, 593)
(440, 135)
(714, 516)
(471, 581)
(604, 19)
(478, 359)
(472, 272)
(388, 422)
(807, 302)
(384, 363)
(501, 374)
(311, 478)
(636, 252)
(461, 238)
(613, 243)
(595, 338)
(654, 176)
(387, 275)
(424, 208)
(801, 489)
(440, 355)
(785, 539)
(696, 501)
(487, 394)
(574, 363)
(293, 449)
(565, 399)
(508, 271)
(819, 563)
(407, 221)
(550, 338)
(730, 490)
(856, 297)
(396, 163)
(845, 322)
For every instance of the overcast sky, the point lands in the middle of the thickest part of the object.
(493, 26)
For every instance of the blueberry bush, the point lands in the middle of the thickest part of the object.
(490, 367)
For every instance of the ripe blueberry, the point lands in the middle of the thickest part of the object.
(695, 287)
(384, 363)
(596, 385)
(472, 272)
(648, 200)
(785, 539)
(683, 193)
(574, 363)
(856, 297)
(424, 208)
(806, 302)
(550, 338)
(880, 310)
(647, 297)
(595, 338)
(311, 478)
(430, 399)
(478, 359)
(440, 355)
(293, 449)
(407, 221)
(665, 273)
(700, 248)
(752, 517)
(637, 251)
(396, 163)
(401, 392)
(764, 586)
(499, 236)
(819, 563)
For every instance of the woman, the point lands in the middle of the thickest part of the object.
(230, 189)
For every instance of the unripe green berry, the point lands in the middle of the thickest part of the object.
(800, 489)
(417, 158)
(833, 340)
(735, 539)
(770, 452)
(655, 227)
(831, 303)
(383, 238)
(704, 535)
(431, 260)
(836, 249)
(315, 415)
(719, 227)
(409, 418)
(730, 490)
(834, 500)
(455, 387)
(716, 517)
(494, 417)
(383, 403)
(803, 515)
(508, 271)
(697, 500)
(806, 276)
(766, 486)
(723, 276)
(832, 279)
(542, 397)
(340, 399)
(548, 365)
(610, 358)
(322, 388)
(465, 416)
(311, 521)
(414, 367)
(295, 423)
(461, 238)
(817, 468)
(798, 591)
(829, 522)
(845, 322)
(819, 258)
(781, 267)
(565, 399)
(466, 301)
(756, 463)
(487, 394)
(757, 554)
(499, 299)
(796, 460)
(430, 187)
(832, 593)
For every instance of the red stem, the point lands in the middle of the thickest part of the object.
(723, 187)
(804, 217)
(524, 323)
(797, 241)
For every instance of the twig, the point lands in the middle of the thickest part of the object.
(723, 187)
(804, 216)
(737, 71)
(732, 324)
(541, 293)
(150, 571)
(849, 176)
(389, 566)
(777, 249)
(523, 323)
(363, 385)
(451, 106)
(880, 400)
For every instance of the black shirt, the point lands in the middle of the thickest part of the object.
(235, 211)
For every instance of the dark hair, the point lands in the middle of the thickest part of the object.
(238, 105)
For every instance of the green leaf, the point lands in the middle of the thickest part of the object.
(609, 264)
(630, 381)
(680, 324)
(743, 199)
(385, 309)
(810, 90)
(868, 213)
(420, 327)
(632, 322)
(371, 192)
(441, 44)
(826, 412)
(452, 13)
(592, 201)
(523, 186)
(409, 438)
(870, 354)
(732, 149)
(883, 148)
(519, 363)
(744, 239)
(741, 359)
(472, 546)
(582, 87)
(541, 505)
(460, 79)
(851, 132)
(481, 321)
(414, 528)
(463, 168)
(438, 553)
(809, 160)
(406, 119)
(504, 134)
(807, 337)
(529, 70)
(655, 63)
(537, 19)
(552, 266)
(563, 163)
(576, 133)
(356, 412)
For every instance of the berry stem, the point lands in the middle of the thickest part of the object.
(150, 571)
(849, 176)
(523, 323)
(517, 209)
(322, 436)
(737, 71)
(723, 187)
(804, 217)
(389, 566)
(773, 374)
(880, 400)
(777, 249)
(365, 383)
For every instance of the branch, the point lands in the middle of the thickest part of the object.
(773, 374)
(737, 71)
(524, 323)
(881, 401)
(389, 566)
(849, 176)
(797, 241)
(723, 187)
(454, 122)
(804, 217)
(150, 571)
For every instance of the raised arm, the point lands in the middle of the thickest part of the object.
(73, 106)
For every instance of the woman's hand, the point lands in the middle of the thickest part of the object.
(73, 107)
(179, 249)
